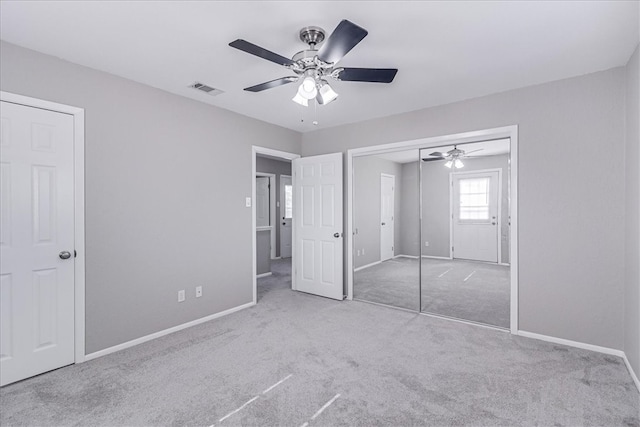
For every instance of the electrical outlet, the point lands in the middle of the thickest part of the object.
(198, 291)
(181, 296)
(426, 243)
(362, 251)
(247, 202)
(358, 252)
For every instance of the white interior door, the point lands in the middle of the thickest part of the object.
(317, 219)
(286, 209)
(262, 201)
(475, 228)
(387, 199)
(37, 227)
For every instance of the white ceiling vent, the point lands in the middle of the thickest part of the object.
(206, 89)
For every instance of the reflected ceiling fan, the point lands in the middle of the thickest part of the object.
(314, 67)
(452, 157)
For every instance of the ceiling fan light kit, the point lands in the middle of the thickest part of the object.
(315, 66)
(453, 157)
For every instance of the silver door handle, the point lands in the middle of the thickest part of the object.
(64, 255)
(336, 235)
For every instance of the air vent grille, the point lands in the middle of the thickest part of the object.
(211, 91)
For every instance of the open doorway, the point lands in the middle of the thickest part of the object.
(272, 217)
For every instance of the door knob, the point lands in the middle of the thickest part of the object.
(383, 223)
(64, 255)
(493, 223)
(336, 235)
(284, 223)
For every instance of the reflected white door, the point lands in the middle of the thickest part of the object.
(37, 225)
(475, 228)
(262, 201)
(317, 219)
(286, 210)
(387, 188)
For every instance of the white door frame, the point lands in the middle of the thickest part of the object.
(510, 132)
(272, 212)
(279, 155)
(282, 200)
(499, 207)
(78, 176)
(393, 234)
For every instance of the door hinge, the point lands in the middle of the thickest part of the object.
(451, 248)
(75, 254)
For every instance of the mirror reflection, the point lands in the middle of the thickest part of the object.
(465, 232)
(386, 228)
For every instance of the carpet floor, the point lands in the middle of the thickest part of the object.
(299, 360)
(475, 291)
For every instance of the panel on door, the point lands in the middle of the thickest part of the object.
(37, 225)
(387, 208)
(475, 216)
(317, 219)
(286, 203)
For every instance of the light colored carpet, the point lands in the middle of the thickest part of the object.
(389, 367)
(455, 288)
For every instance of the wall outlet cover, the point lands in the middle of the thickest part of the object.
(181, 296)
(198, 291)
(247, 202)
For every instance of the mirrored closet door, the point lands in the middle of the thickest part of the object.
(386, 242)
(465, 232)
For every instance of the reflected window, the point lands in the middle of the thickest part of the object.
(474, 199)
(288, 201)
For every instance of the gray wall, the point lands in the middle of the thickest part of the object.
(571, 197)
(366, 206)
(632, 217)
(263, 251)
(166, 178)
(410, 210)
(436, 204)
(278, 167)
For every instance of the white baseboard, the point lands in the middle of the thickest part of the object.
(264, 275)
(406, 256)
(584, 346)
(577, 344)
(632, 372)
(367, 266)
(164, 332)
(437, 257)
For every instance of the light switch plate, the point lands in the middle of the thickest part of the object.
(247, 202)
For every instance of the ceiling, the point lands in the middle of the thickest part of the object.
(445, 51)
(494, 147)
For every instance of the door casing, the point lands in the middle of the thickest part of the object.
(79, 227)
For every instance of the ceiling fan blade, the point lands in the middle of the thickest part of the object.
(432, 159)
(341, 41)
(253, 49)
(374, 75)
(271, 84)
(437, 154)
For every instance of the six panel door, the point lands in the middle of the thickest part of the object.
(317, 220)
(37, 227)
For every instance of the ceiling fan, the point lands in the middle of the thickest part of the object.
(452, 157)
(314, 66)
